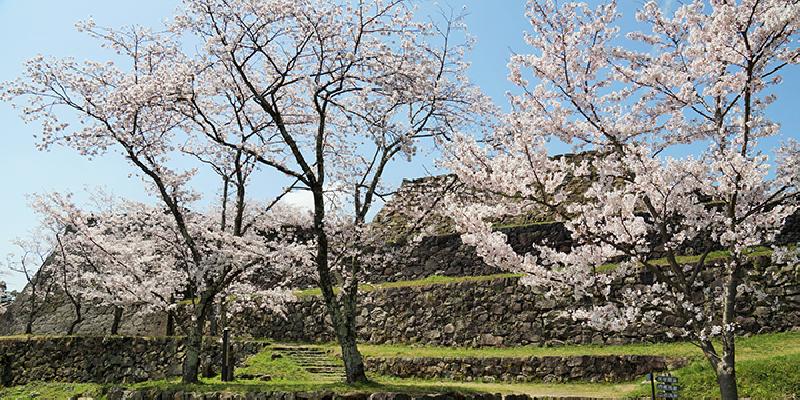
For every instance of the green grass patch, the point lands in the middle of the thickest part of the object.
(431, 280)
(51, 390)
(575, 389)
(214, 384)
(768, 367)
(282, 369)
(389, 384)
(760, 377)
(756, 346)
(684, 260)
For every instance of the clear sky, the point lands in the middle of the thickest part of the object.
(30, 27)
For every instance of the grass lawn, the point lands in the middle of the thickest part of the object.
(747, 347)
(768, 367)
(431, 280)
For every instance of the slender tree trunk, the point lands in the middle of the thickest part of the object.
(170, 328)
(191, 359)
(726, 368)
(78, 318)
(223, 314)
(343, 318)
(213, 330)
(724, 362)
(353, 362)
(726, 378)
(117, 319)
(31, 315)
(194, 340)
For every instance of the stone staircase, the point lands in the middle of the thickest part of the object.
(315, 360)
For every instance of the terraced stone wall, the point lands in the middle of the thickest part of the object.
(56, 317)
(140, 394)
(113, 359)
(446, 255)
(500, 312)
(524, 369)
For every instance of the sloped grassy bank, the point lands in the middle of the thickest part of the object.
(768, 367)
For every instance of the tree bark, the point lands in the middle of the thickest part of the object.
(353, 362)
(31, 312)
(170, 328)
(78, 318)
(194, 340)
(726, 368)
(117, 319)
(191, 360)
(343, 318)
(726, 378)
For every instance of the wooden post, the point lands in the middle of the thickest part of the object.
(227, 371)
(652, 384)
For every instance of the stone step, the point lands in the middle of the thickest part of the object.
(321, 369)
(297, 349)
(334, 366)
(307, 357)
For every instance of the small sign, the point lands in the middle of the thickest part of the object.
(667, 379)
(667, 388)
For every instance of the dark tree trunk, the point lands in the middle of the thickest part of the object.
(170, 328)
(194, 340)
(31, 315)
(342, 317)
(724, 362)
(78, 318)
(222, 314)
(117, 320)
(191, 360)
(726, 369)
(727, 384)
(353, 362)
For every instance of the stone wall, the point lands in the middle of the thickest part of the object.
(113, 359)
(499, 312)
(446, 255)
(56, 317)
(146, 394)
(524, 369)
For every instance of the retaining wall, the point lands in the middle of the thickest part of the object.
(146, 394)
(113, 359)
(500, 312)
(622, 368)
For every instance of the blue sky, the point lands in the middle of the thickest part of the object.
(30, 27)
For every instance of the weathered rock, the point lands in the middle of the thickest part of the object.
(523, 369)
(114, 359)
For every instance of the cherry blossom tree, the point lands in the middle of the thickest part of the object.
(334, 91)
(30, 258)
(701, 77)
(137, 109)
